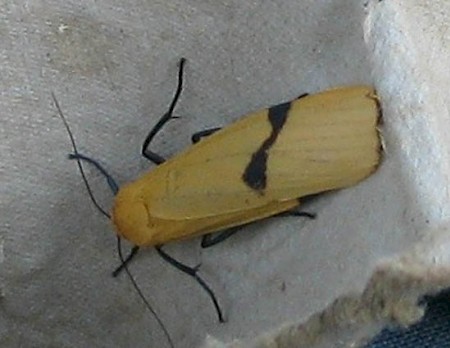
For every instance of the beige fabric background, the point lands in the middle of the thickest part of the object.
(112, 66)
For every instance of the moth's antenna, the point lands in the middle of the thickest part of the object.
(139, 291)
(80, 167)
(114, 187)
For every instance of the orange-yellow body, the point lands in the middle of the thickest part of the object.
(328, 141)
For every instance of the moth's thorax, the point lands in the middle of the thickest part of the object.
(131, 216)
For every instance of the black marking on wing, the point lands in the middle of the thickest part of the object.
(255, 174)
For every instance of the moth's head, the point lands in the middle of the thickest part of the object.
(131, 218)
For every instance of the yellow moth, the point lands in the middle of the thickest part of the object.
(259, 166)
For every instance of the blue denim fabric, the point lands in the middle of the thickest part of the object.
(433, 331)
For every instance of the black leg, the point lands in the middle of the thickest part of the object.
(138, 289)
(311, 216)
(150, 155)
(111, 182)
(196, 137)
(301, 201)
(209, 240)
(193, 273)
(126, 261)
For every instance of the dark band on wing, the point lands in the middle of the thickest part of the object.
(255, 173)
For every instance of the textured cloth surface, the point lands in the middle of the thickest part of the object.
(112, 66)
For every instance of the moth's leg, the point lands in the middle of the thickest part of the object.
(114, 188)
(192, 271)
(110, 180)
(211, 239)
(150, 155)
(297, 212)
(196, 137)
